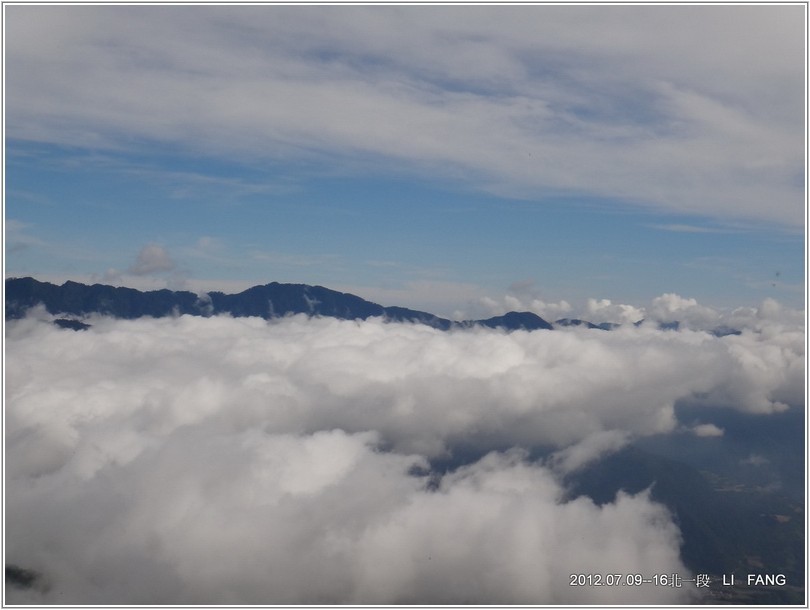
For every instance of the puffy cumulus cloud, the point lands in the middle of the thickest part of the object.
(153, 269)
(765, 373)
(223, 516)
(501, 508)
(707, 430)
(220, 460)
(769, 317)
(594, 310)
(547, 310)
(766, 367)
(671, 307)
(603, 310)
(152, 258)
(422, 389)
(524, 296)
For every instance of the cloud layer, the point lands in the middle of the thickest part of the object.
(219, 460)
(664, 309)
(615, 102)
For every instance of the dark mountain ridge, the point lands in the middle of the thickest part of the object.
(586, 324)
(267, 301)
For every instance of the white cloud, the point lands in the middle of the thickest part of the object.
(588, 450)
(683, 228)
(670, 307)
(707, 430)
(766, 373)
(219, 460)
(755, 460)
(152, 258)
(507, 511)
(603, 310)
(666, 308)
(579, 99)
(215, 515)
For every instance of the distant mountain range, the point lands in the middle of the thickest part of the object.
(274, 300)
(268, 301)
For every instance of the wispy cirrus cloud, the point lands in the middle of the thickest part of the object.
(684, 228)
(560, 99)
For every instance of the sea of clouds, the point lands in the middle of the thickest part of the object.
(190, 460)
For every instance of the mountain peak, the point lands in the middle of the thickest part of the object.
(517, 320)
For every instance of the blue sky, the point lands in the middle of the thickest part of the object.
(442, 158)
